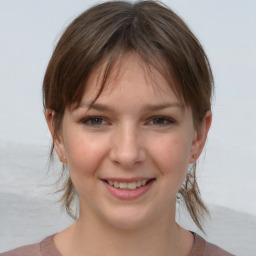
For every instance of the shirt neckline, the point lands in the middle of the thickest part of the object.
(48, 247)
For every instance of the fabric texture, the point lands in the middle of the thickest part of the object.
(48, 248)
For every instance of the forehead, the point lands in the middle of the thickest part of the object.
(131, 75)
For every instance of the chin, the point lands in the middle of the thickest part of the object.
(129, 218)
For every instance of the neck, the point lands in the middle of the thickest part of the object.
(92, 236)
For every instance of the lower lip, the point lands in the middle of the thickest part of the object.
(125, 194)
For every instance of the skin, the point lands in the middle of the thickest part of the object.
(129, 140)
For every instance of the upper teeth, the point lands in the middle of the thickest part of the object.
(129, 185)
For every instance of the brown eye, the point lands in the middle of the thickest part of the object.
(161, 121)
(94, 121)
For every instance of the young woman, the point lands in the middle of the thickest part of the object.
(127, 97)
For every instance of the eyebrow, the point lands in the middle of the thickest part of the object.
(155, 107)
(148, 107)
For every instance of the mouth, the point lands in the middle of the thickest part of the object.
(128, 189)
(129, 185)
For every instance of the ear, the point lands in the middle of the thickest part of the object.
(200, 137)
(57, 139)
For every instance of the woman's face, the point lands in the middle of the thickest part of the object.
(137, 131)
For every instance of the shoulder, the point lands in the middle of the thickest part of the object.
(44, 248)
(204, 248)
(213, 250)
(27, 250)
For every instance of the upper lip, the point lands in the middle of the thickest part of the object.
(127, 180)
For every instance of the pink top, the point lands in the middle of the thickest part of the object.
(48, 248)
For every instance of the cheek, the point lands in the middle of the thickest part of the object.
(171, 154)
(84, 153)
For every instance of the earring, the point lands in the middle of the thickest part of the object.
(63, 159)
(194, 156)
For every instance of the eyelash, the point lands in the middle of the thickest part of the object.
(91, 119)
(167, 121)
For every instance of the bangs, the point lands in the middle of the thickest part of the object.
(155, 33)
(110, 69)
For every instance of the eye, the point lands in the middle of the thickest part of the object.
(161, 121)
(94, 121)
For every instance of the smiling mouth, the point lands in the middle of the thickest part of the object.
(129, 185)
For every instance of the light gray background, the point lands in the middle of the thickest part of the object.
(28, 32)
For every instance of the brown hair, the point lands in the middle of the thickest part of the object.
(107, 32)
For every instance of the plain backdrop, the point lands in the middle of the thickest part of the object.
(29, 30)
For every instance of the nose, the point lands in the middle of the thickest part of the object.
(127, 148)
